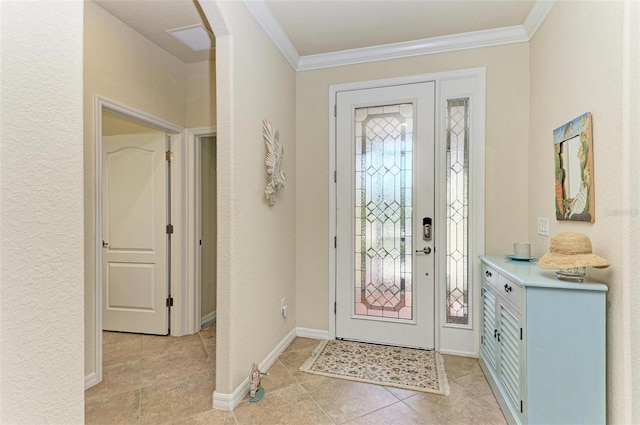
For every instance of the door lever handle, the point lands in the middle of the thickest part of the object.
(105, 244)
(425, 250)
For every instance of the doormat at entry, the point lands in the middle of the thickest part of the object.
(408, 368)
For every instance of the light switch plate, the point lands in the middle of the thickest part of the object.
(543, 226)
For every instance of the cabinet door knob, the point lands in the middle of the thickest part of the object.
(488, 273)
(507, 288)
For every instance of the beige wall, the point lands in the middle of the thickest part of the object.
(507, 129)
(576, 67)
(41, 257)
(256, 243)
(201, 94)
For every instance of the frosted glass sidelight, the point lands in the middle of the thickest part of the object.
(457, 208)
(382, 211)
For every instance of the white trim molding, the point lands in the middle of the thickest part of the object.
(271, 26)
(312, 333)
(230, 401)
(90, 380)
(211, 317)
(448, 43)
(536, 16)
(100, 104)
(425, 46)
(192, 320)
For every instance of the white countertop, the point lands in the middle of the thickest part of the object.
(528, 273)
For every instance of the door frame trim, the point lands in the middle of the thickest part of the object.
(191, 177)
(477, 192)
(100, 104)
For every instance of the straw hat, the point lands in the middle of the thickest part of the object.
(569, 250)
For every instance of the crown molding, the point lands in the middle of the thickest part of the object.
(537, 15)
(471, 40)
(271, 26)
(426, 46)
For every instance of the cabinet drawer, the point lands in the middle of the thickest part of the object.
(510, 291)
(490, 275)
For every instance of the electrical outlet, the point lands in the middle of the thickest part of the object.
(543, 226)
(283, 306)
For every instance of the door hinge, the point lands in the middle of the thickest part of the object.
(335, 110)
(170, 302)
(169, 156)
(200, 241)
(482, 339)
(169, 229)
(520, 334)
(335, 176)
(335, 241)
(521, 407)
(335, 307)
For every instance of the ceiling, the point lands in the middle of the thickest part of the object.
(322, 26)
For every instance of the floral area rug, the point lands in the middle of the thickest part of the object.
(408, 368)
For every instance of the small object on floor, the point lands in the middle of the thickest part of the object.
(255, 378)
(258, 396)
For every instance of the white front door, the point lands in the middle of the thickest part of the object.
(134, 233)
(385, 192)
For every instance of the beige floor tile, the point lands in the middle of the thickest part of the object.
(212, 417)
(162, 404)
(175, 366)
(396, 414)
(476, 386)
(278, 378)
(121, 352)
(401, 393)
(116, 337)
(155, 345)
(302, 343)
(121, 378)
(460, 407)
(120, 409)
(289, 406)
(345, 400)
(208, 338)
(458, 366)
(292, 360)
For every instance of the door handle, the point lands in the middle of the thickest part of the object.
(425, 250)
(105, 244)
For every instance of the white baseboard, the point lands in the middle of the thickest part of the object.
(208, 318)
(230, 401)
(312, 333)
(90, 380)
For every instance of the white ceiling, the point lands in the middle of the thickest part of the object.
(323, 26)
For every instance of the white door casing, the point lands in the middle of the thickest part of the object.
(135, 242)
(391, 323)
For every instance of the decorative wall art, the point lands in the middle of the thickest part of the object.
(276, 178)
(573, 157)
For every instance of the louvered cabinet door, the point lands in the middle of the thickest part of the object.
(489, 327)
(509, 340)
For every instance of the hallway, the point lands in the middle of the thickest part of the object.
(166, 380)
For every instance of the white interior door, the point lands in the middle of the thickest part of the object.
(135, 242)
(385, 188)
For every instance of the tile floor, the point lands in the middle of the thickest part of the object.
(166, 380)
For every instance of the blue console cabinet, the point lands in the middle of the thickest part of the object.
(543, 344)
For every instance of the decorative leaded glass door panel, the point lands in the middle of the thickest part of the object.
(385, 163)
